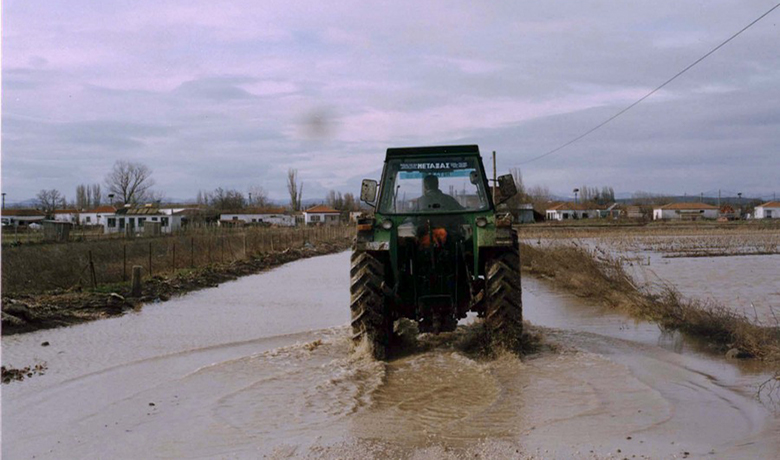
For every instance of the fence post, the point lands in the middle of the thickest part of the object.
(92, 271)
(245, 254)
(124, 262)
(173, 261)
(192, 252)
(150, 258)
(135, 290)
(222, 249)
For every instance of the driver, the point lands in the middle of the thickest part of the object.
(434, 199)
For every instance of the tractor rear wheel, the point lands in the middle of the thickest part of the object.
(371, 321)
(504, 302)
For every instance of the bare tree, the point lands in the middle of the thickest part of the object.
(49, 200)
(82, 202)
(224, 200)
(521, 196)
(294, 189)
(540, 196)
(154, 196)
(335, 200)
(350, 203)
(97, 195)
(129, 181)
(257, 197)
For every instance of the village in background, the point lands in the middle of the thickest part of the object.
(127, 205)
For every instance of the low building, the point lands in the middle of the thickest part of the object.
(132, 219)
(258, 216)
(727, 212)
(70, 216)
(769, 210)
(57, 231)
(685, 211)
(566, 211)
(321, 215)
(21, 217)
(521, 213)
(96, 216)
(634, 212)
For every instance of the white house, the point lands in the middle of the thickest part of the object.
(685, 211)
(21, 217)
(70, 216)
(96, 216)
(321, 215)
(132, 220)
(273, 216)
(566, 211)
(770, 210)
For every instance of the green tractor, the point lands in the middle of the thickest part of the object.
(435, 249)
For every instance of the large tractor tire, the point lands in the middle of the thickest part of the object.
(371, 321)
(504, 302)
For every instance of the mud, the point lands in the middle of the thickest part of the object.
(27, 313)
(262, 367)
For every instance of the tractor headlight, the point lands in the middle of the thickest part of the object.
(481, 222)
(387, 224)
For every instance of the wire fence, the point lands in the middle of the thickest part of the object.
(45, 267)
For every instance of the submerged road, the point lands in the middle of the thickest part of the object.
(262, 366)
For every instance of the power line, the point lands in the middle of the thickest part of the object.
(651, 92)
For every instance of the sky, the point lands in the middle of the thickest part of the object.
(234, 93)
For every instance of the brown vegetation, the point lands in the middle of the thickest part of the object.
(29, 312)
(38, 268)
(595, 274)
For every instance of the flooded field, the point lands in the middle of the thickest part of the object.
(262, 367)
(741, 272)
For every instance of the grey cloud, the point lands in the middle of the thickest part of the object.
(152, 90)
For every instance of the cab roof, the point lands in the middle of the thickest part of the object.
(442, 150)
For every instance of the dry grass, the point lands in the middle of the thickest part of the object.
(37, 268)
(595, 274)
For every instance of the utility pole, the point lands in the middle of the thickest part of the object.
(3, 200)
(701, 197)
(719, 198)
(495, 181)
(739, 202)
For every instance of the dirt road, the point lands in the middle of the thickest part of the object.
(261, 366)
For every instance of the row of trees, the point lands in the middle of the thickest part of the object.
(593, 195)
(126, 182)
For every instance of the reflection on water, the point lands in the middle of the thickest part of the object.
(262, 366)
(748, 284)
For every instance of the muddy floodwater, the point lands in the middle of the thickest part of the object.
(741, 281)
(262, 367)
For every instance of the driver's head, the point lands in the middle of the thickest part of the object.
(430, 182)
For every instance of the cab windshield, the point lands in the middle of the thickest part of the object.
(440, 185)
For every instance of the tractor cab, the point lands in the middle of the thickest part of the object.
(434, 232)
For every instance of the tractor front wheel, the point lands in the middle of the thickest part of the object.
(371, 321)
(504, 302)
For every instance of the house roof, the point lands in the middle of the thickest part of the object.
(66, 211)
(687, 206)
(102, 209)
(321, 209)
(22, 212)
(140, 211)
(572, 207)
(771, 204)
(257, 211)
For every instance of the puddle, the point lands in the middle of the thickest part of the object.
(261, 367)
